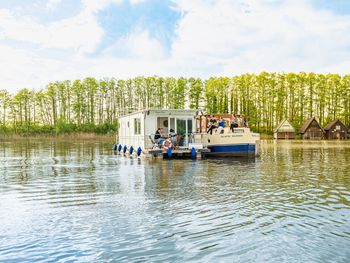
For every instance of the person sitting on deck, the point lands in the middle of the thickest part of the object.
(173, 135)
(159, 136)
(211, 124)
(221, 126)
(167, 144)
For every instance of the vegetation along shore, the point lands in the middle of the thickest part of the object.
(92, 106)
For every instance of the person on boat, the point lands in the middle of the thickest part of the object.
(173, 137)
(159, 136)
(245, 125)
(167, 144)
(239, 121)
(211, 124)
(221, 126)
(234, 122)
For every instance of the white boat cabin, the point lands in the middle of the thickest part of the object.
(137, 129)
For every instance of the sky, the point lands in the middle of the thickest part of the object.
(43, 41)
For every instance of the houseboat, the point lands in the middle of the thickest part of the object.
(137, 132)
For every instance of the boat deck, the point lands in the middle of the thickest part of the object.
(178, 153)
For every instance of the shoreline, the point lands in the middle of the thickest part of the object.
(112, 138)
(70, 136)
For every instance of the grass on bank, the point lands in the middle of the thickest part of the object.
(63, 129)
(60, 128)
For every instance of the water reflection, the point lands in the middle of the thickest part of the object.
(77, 201)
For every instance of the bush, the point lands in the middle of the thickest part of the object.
(61, 127)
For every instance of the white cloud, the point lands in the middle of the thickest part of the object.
(221, 37)
(139, 45)
(135, 2)
(25, 69)
(81, 33)
(259, 35)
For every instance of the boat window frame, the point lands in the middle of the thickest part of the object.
(137, 126)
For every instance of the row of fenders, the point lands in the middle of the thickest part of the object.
(120, 148)
(138, 152)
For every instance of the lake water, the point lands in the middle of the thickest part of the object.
(78, 202)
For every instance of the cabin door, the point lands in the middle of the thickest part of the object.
(184, 128)
(172, 124)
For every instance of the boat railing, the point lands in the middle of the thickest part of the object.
(183, 140)
(200, 139)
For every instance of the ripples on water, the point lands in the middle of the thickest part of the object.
(64, 201)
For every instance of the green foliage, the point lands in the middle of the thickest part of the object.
(64, 127)
(91, 105)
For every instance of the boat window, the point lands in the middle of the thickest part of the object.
(180, 126)
(189, 126)
(137, 126)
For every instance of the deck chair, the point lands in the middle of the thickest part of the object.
(155, 145)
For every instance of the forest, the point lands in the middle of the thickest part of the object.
(92, 105)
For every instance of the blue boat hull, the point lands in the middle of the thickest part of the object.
(239, 150)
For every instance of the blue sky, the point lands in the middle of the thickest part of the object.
(156, 16)
(47, 40)
(341, 7)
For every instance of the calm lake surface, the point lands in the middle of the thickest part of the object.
(77, 202)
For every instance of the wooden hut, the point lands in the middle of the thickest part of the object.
(335, 130)
(312, 130)
(284, 130)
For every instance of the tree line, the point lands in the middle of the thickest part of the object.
(92, 105)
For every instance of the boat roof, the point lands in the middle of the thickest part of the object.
(161, 111)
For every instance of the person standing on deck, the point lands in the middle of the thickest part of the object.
(239, 121)
(244, 121)
(234, 122)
